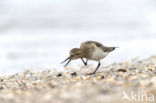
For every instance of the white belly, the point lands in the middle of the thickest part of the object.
(98, 54)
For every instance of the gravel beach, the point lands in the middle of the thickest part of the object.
(110, 85)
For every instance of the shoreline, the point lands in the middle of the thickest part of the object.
(137, 76)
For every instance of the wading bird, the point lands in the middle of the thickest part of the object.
(91, 50)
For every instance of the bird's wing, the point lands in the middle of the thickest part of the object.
(88, 47)
(87, 43)
(104, 48)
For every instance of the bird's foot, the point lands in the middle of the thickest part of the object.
(91, 73)
(85, 63)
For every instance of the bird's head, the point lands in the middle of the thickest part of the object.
(75, 53)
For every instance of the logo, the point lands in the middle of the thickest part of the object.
(137, 96)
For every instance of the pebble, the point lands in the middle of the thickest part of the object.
(102, 77)
(59, 75)
(122, 70)
(74, 74)
(68, 87)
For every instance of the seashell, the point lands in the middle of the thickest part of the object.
(74, 74)
(59, 75)
(122, 70)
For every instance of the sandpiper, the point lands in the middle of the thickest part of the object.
(91, 50)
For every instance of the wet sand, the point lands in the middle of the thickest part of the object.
(107, 86)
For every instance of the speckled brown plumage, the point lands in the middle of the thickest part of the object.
(91, 50)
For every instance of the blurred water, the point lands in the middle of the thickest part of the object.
(38, 35)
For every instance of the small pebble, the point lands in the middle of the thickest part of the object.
(59, 75)
(1, 79)
(1, 88)
(102, 77)
(122, 70)
(73, 74)
(132, 68)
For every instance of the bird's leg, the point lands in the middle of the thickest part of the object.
(85, 63)
(95, 69)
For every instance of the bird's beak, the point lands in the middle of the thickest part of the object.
(117, 47)
(66, 60)
(113, 48)
(67, 63)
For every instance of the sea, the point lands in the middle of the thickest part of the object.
(38, 35)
